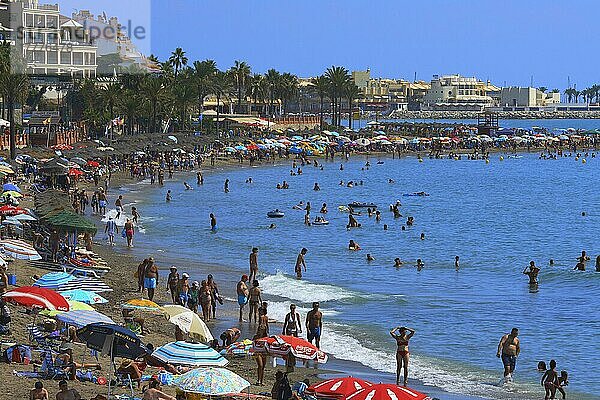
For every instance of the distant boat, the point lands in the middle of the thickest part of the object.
(275, 214)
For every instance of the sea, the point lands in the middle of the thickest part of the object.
(496, 216)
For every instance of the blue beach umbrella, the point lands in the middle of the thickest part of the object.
(190, 354)
(81, 318)
(295, 150)
(54, 280)
(112, 340)
(10, 186)
(84, 296)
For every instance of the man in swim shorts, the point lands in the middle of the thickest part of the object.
(508, 350)
(151, 278)
(242, 294)
(314, 324)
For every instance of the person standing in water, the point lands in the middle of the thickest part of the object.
(213, 222)
(253, 264)
(456, 263)
(300, 263)
(314, 324)
(508, 350)
(226, 188)
(292, 325)
(532, 273)
(255, 299)
(402, 336)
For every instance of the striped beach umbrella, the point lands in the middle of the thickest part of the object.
(81, 318)
(19, 250)
(190, 354)
(211, 382)
(86, 283)
(54, 280)
(84, 296)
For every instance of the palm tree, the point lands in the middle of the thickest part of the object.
(272, 78)
(110, 95)
(256, 89)
(570, 92)
(352, 92)
(204, 72)
(241, 75)
(152, 89)
(338, 78)
(131, 105)
(288, 88)
(220, 87)
(542, 89)
(183, 95)
(321, 87)
(178, 60)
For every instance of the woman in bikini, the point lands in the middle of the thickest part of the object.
(402, 336)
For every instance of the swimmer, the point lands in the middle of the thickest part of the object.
(323, 209)
(456, 263)
(422, 236)
(226, 186)
(377, 215)
(341, 167)
(420, 264)
(187, 186)
(385, 227)
(403, 227)
(551, 262)
(370, 258)
(397, 262)
(168, 196)
(391, 181)
(272, 226)
(213, 222)
(353, 245)
(300, 263)
(550, 381)
(316, 188)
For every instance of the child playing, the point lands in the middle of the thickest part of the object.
(550, 381)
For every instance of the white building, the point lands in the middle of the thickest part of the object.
(52, 44)
(526, 97)
(455, 91)
(110, 37)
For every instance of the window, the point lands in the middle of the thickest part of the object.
(77, 58)
(38, 37)
(52, 71)
(65, 57)
(29, 20)
(39, 57)
(28, 37)
(52, 57)
(29, 56)
(90, 59)
(40, 21)
(52, 22)
(52, 38)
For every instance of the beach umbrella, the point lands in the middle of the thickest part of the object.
(282, 345)
(19, 250)
(73, 306)
(211, 382)
(79, 161)
(84, 296)
(363, 142)
(11, 221)
(12, 193)
(112, 340)
(190, 354)
(24, 217)
(93, 164)
(81, 318)
(338, 387)
(36, 297)
(141, 304)
(11, 210)
(240, 349)
(75, 172)
(188, 321)
(54, 280)
(386, 391)
(414, 141)
(11, 187)
(6, 169)
(86, 283)
(240, 148)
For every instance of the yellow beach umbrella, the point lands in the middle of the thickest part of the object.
(8, 170)
(12, 193)
(142, 304)
(73, 305)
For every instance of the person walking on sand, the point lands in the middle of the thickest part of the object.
(300, 263)
(253, 264)
(172, 281)
(508, 350)
(141, 272)
(242, 294)
(292, 325)
(151, 278)
(402, 335)
(214, 292)
(314, 324)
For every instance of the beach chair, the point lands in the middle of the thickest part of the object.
(45, 341)
(49, 370)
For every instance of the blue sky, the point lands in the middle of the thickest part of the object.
(504, 41)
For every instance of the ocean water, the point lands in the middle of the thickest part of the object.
(496, 217)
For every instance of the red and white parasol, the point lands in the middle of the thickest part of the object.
(283, 345)
(386, 391)
(37, 297)
(338, 388)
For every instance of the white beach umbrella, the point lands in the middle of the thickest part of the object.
(188, 321)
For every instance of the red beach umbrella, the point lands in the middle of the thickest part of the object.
(75, 172)
(37, 297)
(386, 391)
(338, 388)
(283, 345)
(93, 164)
(11, 210)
